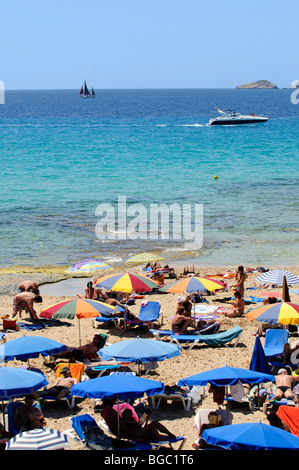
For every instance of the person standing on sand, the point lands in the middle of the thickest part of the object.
(240, 279)
(24, 301)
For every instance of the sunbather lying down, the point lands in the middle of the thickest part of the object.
(87, 351)
(134, 430)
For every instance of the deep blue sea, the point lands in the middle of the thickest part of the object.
(62, 156)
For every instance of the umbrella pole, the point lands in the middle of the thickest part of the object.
(79, 333)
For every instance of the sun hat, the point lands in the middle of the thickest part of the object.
(180, 299)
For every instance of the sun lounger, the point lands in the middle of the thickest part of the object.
(275, 338)
(218, 339)
(162, 335)
(77, 371)
(110, 416)
(169, 271)
(87, 431)
(107, 319)
(149, 313)
(173, 394)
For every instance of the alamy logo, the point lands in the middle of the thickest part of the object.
(295, 93)
(2, 92)
(156, 222)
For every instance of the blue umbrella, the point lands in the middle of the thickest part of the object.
(259, 361)
(118, 386)
(226, 376)
(139, 350)
(16, 382)
(251, 436)
(27, 347)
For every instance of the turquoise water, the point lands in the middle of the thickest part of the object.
(61, 156)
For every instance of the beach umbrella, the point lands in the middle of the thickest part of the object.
(15, 382)
(88, 266)
(259, 361)
(193, 285)
(144, 258)
(251, 436)
(27, 347)
(139, 350)
(275, 276)
(285, 313)
(38, 439)
(80, 308)
(223, 376)
(116, 386)
(126, 282)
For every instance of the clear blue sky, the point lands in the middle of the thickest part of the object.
(48, 44)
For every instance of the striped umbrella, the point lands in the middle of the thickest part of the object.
(275, 276)
(144, 258)
(38, 439)
(285, 313)
(126, 282)
(87, 266)
(80, 308)
(193, 285)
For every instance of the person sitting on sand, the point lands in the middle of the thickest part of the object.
(238, 305)
(130, 428)
(181, 321)
(89, 291)
(86, 351)
(284, 386)
(61, 387)
(28, 286)
(240, 277)
(24, 301)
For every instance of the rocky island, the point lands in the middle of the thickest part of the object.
(259, 84)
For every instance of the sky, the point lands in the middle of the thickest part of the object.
(51, 44)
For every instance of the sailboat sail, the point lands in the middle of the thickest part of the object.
(86, 90)
(85, 93)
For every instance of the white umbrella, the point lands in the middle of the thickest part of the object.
(275, 276)
(38, 439)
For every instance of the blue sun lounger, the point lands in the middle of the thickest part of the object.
(106, 319)
(93, 437)
(218, 339)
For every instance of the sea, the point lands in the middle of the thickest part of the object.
(82, 178)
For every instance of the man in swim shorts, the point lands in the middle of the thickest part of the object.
(24, 301)
(284, 385)
(61, 387)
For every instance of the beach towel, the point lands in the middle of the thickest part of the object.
(31, 327)
(76, 370)
(290, 415)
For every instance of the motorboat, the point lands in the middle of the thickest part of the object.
(229, 118)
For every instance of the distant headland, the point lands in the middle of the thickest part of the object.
(259, 84)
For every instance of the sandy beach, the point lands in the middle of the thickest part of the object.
(200, 358)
